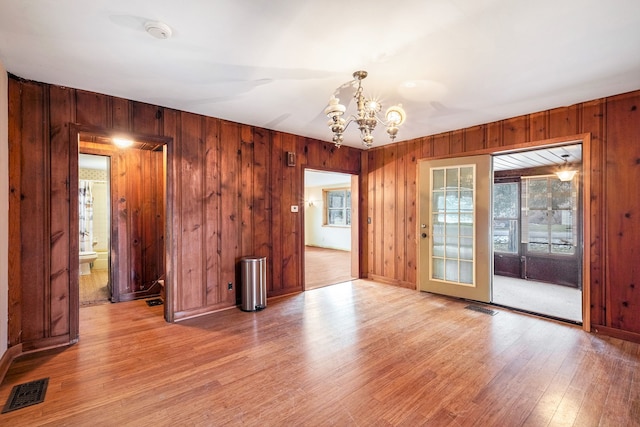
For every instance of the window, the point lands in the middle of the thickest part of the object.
(506, 217)
(338, 203)
(453, 213)
(550, 219)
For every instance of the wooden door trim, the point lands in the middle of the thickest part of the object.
(355, 213)
(75, 130)
(585, 185)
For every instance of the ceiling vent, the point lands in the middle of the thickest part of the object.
(159, 30)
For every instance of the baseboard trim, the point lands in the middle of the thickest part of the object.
(399, 283)
(7, 358)
(616, 333)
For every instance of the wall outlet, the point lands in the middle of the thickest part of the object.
(230, 286)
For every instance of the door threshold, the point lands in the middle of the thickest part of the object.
(533, 313)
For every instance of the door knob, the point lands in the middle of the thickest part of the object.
(424, 235)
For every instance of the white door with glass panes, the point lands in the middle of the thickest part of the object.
(455, 227)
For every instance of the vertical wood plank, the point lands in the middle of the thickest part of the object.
(441, 144)
(212, 216)
(275, 191)
(61, 114)
(592, 120)
(247, 195)
(400, 187)
(515, 130)
(494, 135)
(378, 216)
(389, 212)
(563, 121)
(159, 214)
(457, 144)
(371, 212)
(34, 233)
(190, 293)
(426, 147)
(121, 112)
(135, 190)
(15, 133)
(363, 230)
(291, 244)
(475, 138)
(173, 241)
(230, 227)
(262, 230)
(539, 126)
(623, 211)
(411, 190)
(147, 119)
(92, 109)
(120, 247)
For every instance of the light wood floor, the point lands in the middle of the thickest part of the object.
(94, 288)
(355, 354)
(324, 267)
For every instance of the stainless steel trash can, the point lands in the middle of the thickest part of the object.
(253, 275)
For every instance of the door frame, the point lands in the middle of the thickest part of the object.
(585, 185)
(355, 215)
(75, 130)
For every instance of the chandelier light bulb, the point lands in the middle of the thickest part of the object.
(395, 115)
(366, 116)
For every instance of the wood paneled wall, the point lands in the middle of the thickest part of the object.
(229, 193)
(390, 173)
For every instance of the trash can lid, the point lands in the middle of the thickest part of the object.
(253, 258)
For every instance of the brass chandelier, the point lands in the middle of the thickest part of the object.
(366, 116)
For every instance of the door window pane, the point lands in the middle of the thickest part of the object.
(452, 178)
(451, 270)
(453, 223)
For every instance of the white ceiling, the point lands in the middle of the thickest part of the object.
(538, 157)
(313, 178)
(90, 161)
(274, 64)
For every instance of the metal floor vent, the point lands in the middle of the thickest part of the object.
(26, 394)
(481, 310)
(152, 302)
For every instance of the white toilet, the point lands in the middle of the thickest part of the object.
(86, 258)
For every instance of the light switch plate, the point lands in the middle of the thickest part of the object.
(294, 208)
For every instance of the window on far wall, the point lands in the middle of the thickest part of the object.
(506, 216)
(550, 210)
(338, 203)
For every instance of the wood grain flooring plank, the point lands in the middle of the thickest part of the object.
(358, 353)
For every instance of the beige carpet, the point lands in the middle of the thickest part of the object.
(543, 298)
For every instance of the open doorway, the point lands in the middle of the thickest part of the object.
(94, 217)
(535, 253)
(537, 238)
(131, 225)
(330, 224)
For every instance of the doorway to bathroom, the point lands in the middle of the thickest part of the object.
(94, 219)
(136, 209)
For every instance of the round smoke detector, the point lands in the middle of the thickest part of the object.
(159, 30)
